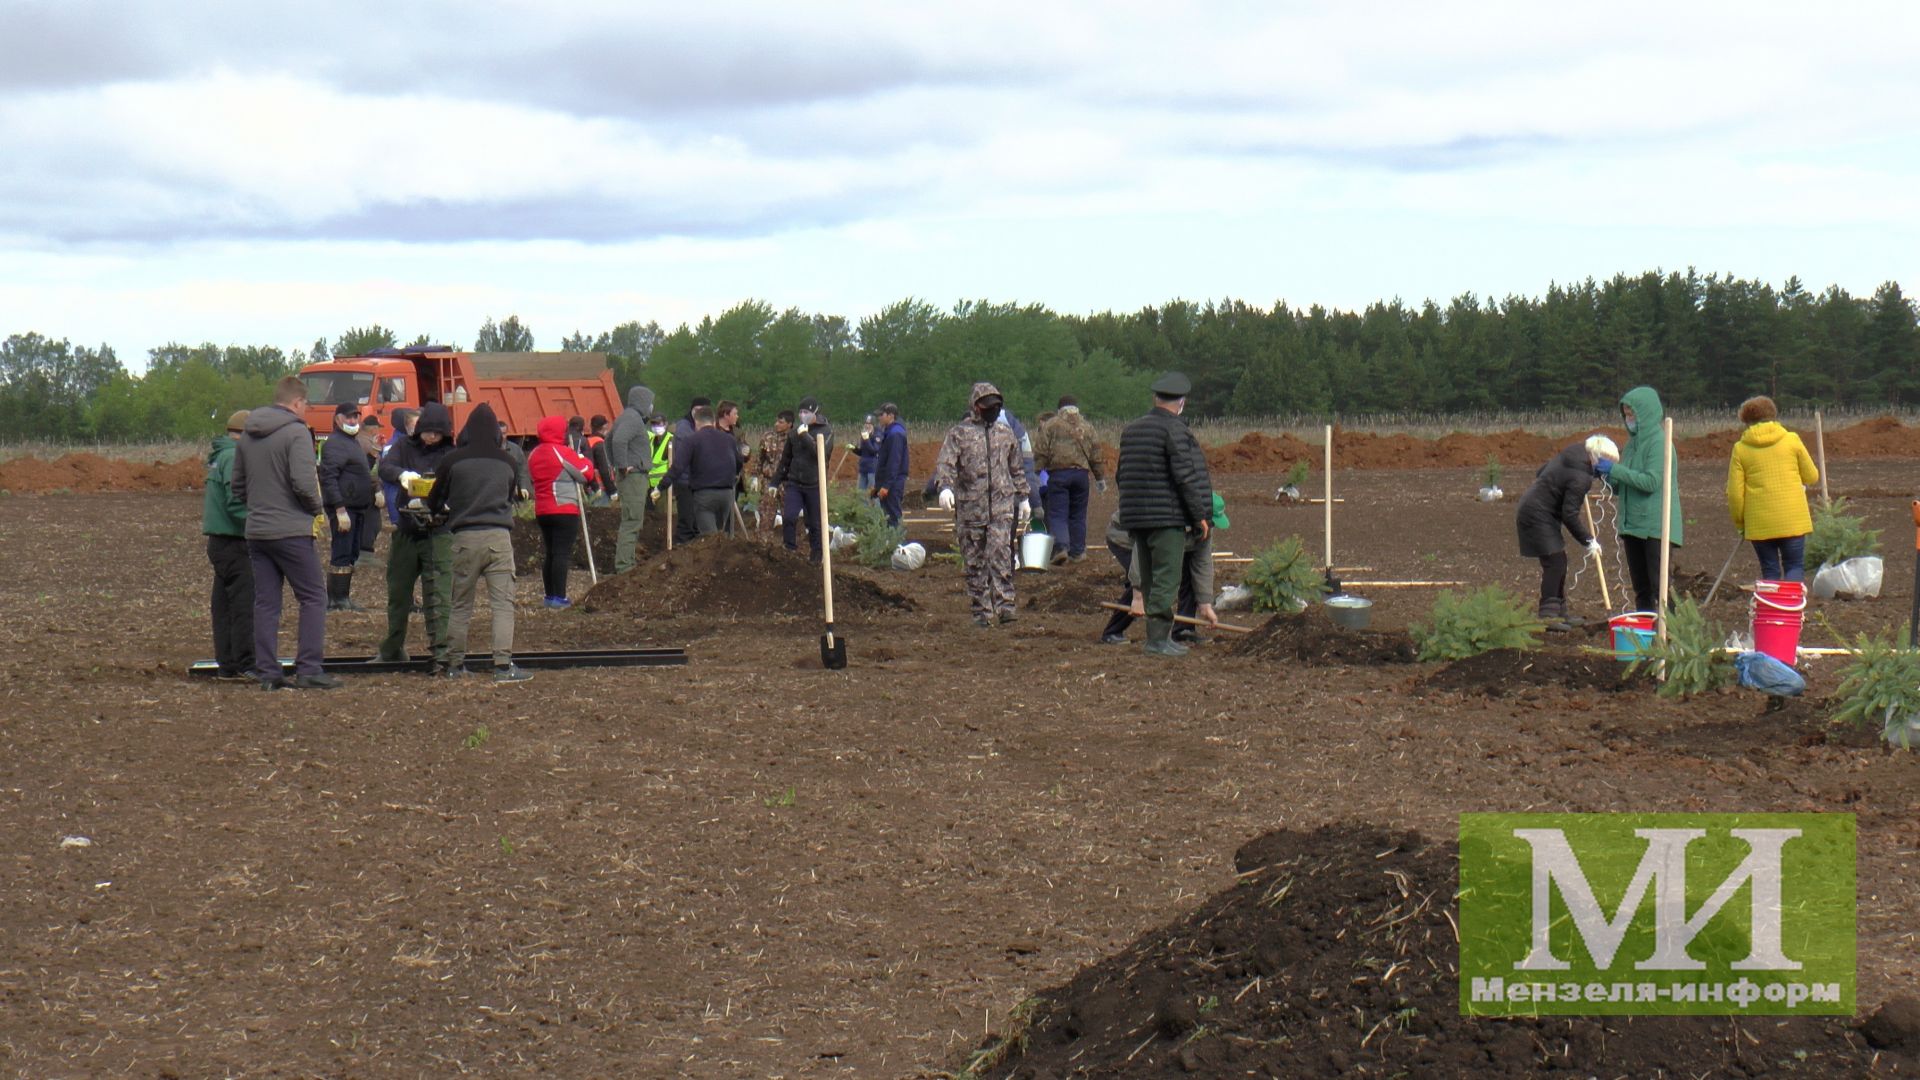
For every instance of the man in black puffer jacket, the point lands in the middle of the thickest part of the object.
(346, 487)
(422, 548)
(1558, 497)
(1165, 493)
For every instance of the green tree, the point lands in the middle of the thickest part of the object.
(508, 335)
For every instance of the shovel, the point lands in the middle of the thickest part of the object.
(586, 537)
(833, 649)
(1913, 622)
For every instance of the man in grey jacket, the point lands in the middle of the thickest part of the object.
(274, 471)
(630, 452)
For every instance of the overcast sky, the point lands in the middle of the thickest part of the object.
(252, 172)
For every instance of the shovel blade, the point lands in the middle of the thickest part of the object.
(833, 651)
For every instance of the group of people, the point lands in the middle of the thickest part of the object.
(1767, 480)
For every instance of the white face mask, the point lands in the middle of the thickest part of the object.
(660, 430)
(349, 429)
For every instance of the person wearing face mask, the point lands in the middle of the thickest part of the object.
(802, 488)
(980, 476)
(422, 549)
(1635, 480)
(660, 456)
(346, 491)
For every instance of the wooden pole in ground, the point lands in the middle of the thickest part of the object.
(1599, 563)
(1820, 447)
(669, 519)
(1666, 522)
(1328, 481)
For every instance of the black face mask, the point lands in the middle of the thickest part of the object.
(989, 413)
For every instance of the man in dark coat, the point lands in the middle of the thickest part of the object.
(422, 547)
(1165, 494)
(346, 487)
(802, 489)
(274, 474)
(890, 465)
(474, 491)
(1558, 497)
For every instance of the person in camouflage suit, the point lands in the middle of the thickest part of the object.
(982, 477)
(772, 444)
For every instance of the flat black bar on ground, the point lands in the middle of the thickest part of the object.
(573, 658)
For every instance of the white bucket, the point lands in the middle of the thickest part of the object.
(1036, 551)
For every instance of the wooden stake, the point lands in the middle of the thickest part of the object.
(1820, 447)
(669, 519)
(1666, 525)
(1189, 620)
(1598, 561)
(1328, 478)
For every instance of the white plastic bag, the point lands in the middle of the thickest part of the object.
(1491, 493)
(909, 557)
(1233, 598)
(839, 539)
(1854, 579)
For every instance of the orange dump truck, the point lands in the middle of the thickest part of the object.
(521, 387)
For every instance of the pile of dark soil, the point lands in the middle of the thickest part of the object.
(1334, 955)
(719, 576)
(1506, 671)
(603, 528)
(1312, 637)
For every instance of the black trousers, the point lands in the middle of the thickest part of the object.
(1553, 576)
(1185, 604)
(1643, 565)
(232, 604)
(557, 533)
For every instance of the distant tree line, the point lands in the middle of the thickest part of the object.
(1705, 342)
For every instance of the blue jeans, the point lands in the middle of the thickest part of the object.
(800, 508)
(862, 481)
(1067, 491)
(1784, 559)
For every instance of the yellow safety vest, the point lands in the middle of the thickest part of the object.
(662, 458)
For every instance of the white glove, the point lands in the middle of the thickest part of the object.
(379, 499)
(408, 477)
(1593, 547)
(946, 498)
(341, 520)
(1026, 511)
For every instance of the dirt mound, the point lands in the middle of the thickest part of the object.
(92, 473)
(1334, 955)
(1506, 671)
(1313, 638)
(724, 577)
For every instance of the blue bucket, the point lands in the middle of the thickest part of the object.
(1633, 634)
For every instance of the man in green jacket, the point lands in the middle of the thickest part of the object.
(223, 519)
(1635, 480)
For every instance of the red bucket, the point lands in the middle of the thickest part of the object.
(1777, 609)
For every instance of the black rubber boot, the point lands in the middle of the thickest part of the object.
(1160, 639)
(1553, 615)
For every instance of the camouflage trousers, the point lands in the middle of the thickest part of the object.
(987, 548)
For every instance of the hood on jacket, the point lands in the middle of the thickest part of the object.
(985, 389)
(552, 430)
(483, 428)
(1645, 403)
(639, 399)
(264, 421)
(1764, 434)
(434, 417)
(222, 441)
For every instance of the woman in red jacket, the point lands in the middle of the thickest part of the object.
(560, 479)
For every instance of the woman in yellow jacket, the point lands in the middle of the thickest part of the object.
(1767, 493)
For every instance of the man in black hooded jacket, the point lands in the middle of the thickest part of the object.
(422, 548)
(346, 488)
(474, 492)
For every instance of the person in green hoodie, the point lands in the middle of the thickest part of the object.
(1635, 480)
(223, 519)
